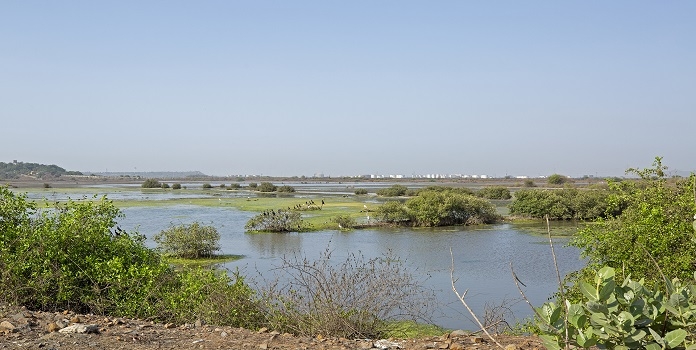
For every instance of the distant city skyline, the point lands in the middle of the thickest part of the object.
(347, 88)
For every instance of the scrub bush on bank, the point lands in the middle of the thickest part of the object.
(71, 257)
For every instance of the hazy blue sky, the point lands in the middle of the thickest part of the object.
(349, 87)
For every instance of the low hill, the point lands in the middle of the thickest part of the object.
(15, 170)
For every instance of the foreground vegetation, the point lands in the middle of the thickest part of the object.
(75, 257)
(638, 289)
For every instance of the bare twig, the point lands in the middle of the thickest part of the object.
(461, 298)
(560, 284)
(517, 283)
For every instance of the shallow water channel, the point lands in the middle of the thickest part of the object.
(481, 255)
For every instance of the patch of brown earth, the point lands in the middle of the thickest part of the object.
(25, 329)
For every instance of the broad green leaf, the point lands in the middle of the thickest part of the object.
(636, 336)
(550, 342)
(653, 346)
(595, 307)
(606, 290)
(675, 338)
(589, 291)
(606, 273)
(657, 337)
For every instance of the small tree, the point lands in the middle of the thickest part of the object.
(176, 186)
(360, 191)
(188, 241)
(253, 185)
(267, 187)
(393, 191)
(151, 183)
(494, 192)
(165, 185)
(276, 221)
(207, 185)
(557, 179)
(286, 189)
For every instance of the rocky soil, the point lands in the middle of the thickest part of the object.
(24, 329)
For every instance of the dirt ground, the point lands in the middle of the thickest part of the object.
(24, 329)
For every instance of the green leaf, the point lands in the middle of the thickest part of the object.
(550, 342)
(589, 291)
(585, 338)
(595, 307)
(635, 336)
(606, 273)
(657, 337)
(675, 338)
(653, 346)
(607, 290)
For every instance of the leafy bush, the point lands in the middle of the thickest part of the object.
(188, 241)
(286, 189)
(562, 204)
(393, 212)
(352, 298)
(276, 221)
(654, 226)
(438, 208)
(222, 186)
(71, 257)
(393, 191)
(235, 186)
(557, 179)
(207, 185)
(253, 185)
(529, 183)
(360, 191)
(628, 315)
(494, 192)
(165, 185)
(267, 187)
(176, 186)
(151, 183)
(345, 222)
(47, 185)
(432, 208)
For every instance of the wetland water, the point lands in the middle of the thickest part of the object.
(481, 255)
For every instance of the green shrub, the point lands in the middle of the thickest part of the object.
(344, 222)
(151, 183)
(267, 187)
(438, 208)
(622, 315)
(47, 185)
(253, 185)
(431, 208)
(557, 179)
(176, 186)
(235, 186)
(654, 225)
(276, 221)
(207, 186)
(562, 204)
(188, 241)
(222, 186)
(529, 183)
(286, 189)
(73, 258)
(494, 192)
(360, 191)
(165, 185)
(393, 191)
(392, 212)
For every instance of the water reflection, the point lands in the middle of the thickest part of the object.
(481, 255)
